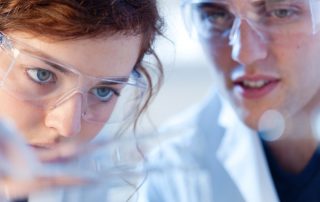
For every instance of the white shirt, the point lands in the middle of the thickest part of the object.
(228, 155)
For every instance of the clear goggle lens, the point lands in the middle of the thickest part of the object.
(274, 21)
(47, 84)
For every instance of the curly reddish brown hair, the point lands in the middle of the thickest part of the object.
(76, 19)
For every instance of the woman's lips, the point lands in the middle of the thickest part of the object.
(255, 87)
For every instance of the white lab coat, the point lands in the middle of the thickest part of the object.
(231, 155)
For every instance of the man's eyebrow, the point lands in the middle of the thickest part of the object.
(264, 3)
(258, 4)
(217, 1)
(277, 0)
(271, 1)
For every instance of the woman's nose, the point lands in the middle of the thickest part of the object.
(66, 118)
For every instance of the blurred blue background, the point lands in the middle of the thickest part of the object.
(187, 73)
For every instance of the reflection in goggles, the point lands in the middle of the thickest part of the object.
(47, 84)
(272, 20)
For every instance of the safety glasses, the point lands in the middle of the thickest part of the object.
(47, 84)
(274, 21)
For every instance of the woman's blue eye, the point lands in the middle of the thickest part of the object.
(41, 76)
(104, 94)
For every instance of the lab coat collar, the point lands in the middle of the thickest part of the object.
(240, 152)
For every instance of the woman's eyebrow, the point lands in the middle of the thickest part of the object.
(57, 66)
(114, 81)
(46, 59)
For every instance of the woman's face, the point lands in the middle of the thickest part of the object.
(114, 56)
(257, 74)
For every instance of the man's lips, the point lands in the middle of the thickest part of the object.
(255, 82)
(254, 87)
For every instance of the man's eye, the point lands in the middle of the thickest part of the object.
(41, 76)
(104, 94)
(215, 17)
(282, 13)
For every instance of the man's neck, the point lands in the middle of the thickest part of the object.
(20, 200)
(293, 154)
(293, 150)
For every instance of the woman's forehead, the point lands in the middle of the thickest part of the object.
(100, 57)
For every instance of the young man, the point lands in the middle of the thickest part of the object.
(255, 138)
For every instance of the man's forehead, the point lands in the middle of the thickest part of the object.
(229, 1)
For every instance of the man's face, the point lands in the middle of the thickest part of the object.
(267, 63)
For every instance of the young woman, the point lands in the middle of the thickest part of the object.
(67, 65)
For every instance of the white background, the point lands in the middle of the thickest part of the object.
(187, 72)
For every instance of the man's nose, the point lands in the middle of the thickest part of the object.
(248, 45)
(66, 117)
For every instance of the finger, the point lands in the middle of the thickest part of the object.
(10, 189)
(61, 153)
(58, 181)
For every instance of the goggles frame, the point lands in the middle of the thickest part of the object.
(134, 80)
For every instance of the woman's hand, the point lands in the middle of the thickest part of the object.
(24, 170)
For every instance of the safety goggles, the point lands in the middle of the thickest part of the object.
(274, 21)
(47, 84)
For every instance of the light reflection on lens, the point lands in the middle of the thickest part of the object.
(315, 123)
(271, 125)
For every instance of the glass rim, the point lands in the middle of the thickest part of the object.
(16, 50)
(134, 79)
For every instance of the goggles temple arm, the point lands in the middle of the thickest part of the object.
(315, 15)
